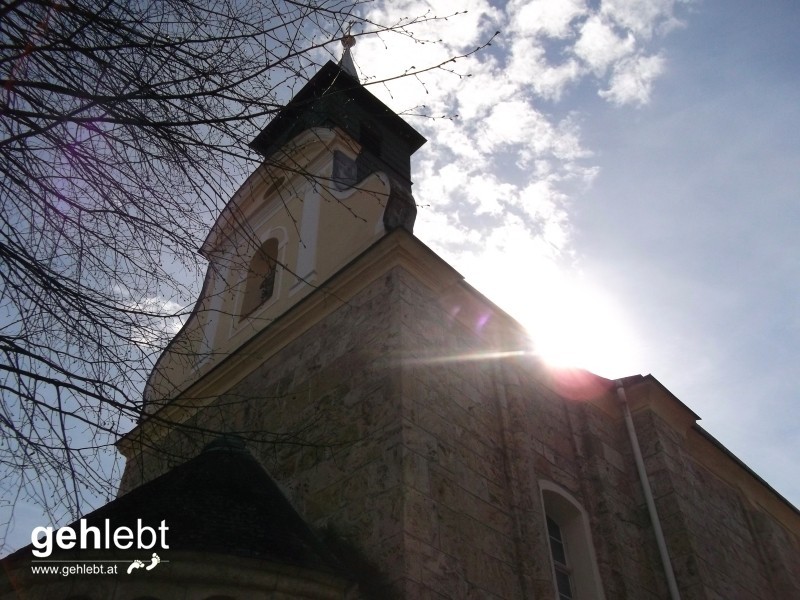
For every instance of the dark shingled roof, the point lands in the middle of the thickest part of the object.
(222, 501)
(335, 99)
(329, 98)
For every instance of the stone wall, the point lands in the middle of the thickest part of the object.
(711, 525)
(383, 423)
(461, 529)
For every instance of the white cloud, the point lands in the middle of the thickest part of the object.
(632, 80)
(562, 142)
(643, 17)
(544, 17)
(600, 46)
(529, 68)
(487, 85)
(499, 180)
(457, 137)
(487, 194)
(461, 183)
(513, 122)
(444, 231)
(162, 319)
(530, 133)
(464, 31)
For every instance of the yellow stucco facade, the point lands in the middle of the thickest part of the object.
(318, 228)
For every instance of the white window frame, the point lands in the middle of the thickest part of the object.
(573, 520)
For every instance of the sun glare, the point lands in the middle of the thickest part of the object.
(572, 323)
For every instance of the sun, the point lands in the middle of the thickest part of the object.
(572, 322)
(572, 319)
(575, 324)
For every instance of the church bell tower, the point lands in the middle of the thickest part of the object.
(336, 177)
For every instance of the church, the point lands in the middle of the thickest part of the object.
(343, 416)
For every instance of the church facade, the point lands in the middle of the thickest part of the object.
(386, 433)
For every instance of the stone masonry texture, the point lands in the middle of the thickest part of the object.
(380, 425)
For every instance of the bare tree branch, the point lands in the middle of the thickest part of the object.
(124, 131)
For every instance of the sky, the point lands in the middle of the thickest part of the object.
(622, 177)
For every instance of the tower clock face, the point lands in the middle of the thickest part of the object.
(344, 171)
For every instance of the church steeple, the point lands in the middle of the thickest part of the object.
(334, 99)
(346, 63)
(335, 179)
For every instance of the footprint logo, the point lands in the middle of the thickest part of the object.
(153, 562)
(137, 564)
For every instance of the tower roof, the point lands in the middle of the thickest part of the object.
(333, 97)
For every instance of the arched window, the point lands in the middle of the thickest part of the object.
(561, 564)
(260, 285)
(575, 572)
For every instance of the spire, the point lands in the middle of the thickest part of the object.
(346, 63)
